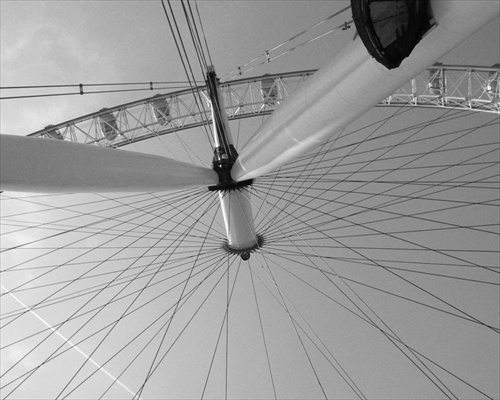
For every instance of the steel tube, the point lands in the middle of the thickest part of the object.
(29, 164)
(351, 84)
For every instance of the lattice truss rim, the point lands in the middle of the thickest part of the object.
(443, 86)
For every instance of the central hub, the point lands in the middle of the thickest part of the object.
(230, 186)
(244, 253)
(234, 196)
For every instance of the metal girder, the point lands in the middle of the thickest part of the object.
(35, 165)
(448, 86)
(464, 87)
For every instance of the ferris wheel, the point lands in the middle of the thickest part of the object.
(367, 268)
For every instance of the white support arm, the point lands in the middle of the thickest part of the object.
(29, 164)
(351, 84)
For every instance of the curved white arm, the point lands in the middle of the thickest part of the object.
(29, 164)
(351, 84)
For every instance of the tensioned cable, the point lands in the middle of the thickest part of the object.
(355, 249)
(151, 229)
(202, 30)
(284, 248)
(187, 324)
(468, 131)
(108, 283)
(198, 45)
(398, 215)
(381, 207)
(489, 202)
(267, 53)
(207, 255)
(83, 85)
(274, 236)
(332, 174)
(116, 280)
(82, 88)
(417, 244)
(312, 160)
(29, 375)
(23, 225)
(269, 58)
(187, 297)
(185, 195)
(219, 232)
(344, 179)
(105, 327)
(195, 37)
(339, 368)
(179, 263)
(176, 245)
(453, 116)
(369, 322)
(228, 299)
(168, 198)
(287, 256)
(152, 367)
(261, 324)
(182, 258)
(223, 323)
(79, 93)
(347, 181)
(71, 344)
(294, 324)
(388, 337)
(381, 330)
(185, 62)
(188, 195)
(347, 379)
(331, 144)
(86, 252)
(392, 203)
(300, 165)
(267, 217)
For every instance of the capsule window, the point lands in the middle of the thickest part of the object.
(53, 132)
(436, 84)
(269, 91)
(107, 125)
(390, 29)
(493, 88)
(161, 111)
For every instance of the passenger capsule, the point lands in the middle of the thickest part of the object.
(107, 125)
(390, 30)
(493, 88)
(53, 132)
(161, 110)
(437, 83)
(269, 91)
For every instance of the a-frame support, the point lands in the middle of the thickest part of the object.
(234, 197)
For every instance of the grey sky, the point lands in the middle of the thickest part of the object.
(70, 42)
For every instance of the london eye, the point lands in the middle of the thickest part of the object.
(229, 264)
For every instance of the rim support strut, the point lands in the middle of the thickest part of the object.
(234, 197)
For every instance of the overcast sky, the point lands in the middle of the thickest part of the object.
(72, 42)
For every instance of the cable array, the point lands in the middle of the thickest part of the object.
(268, 55)
(81, 88)
(183, 54)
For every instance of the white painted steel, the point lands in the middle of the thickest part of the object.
(337, 94)
(30, 164)
(235, 205)
(238, 219)
(473, 88)
(225, 121)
